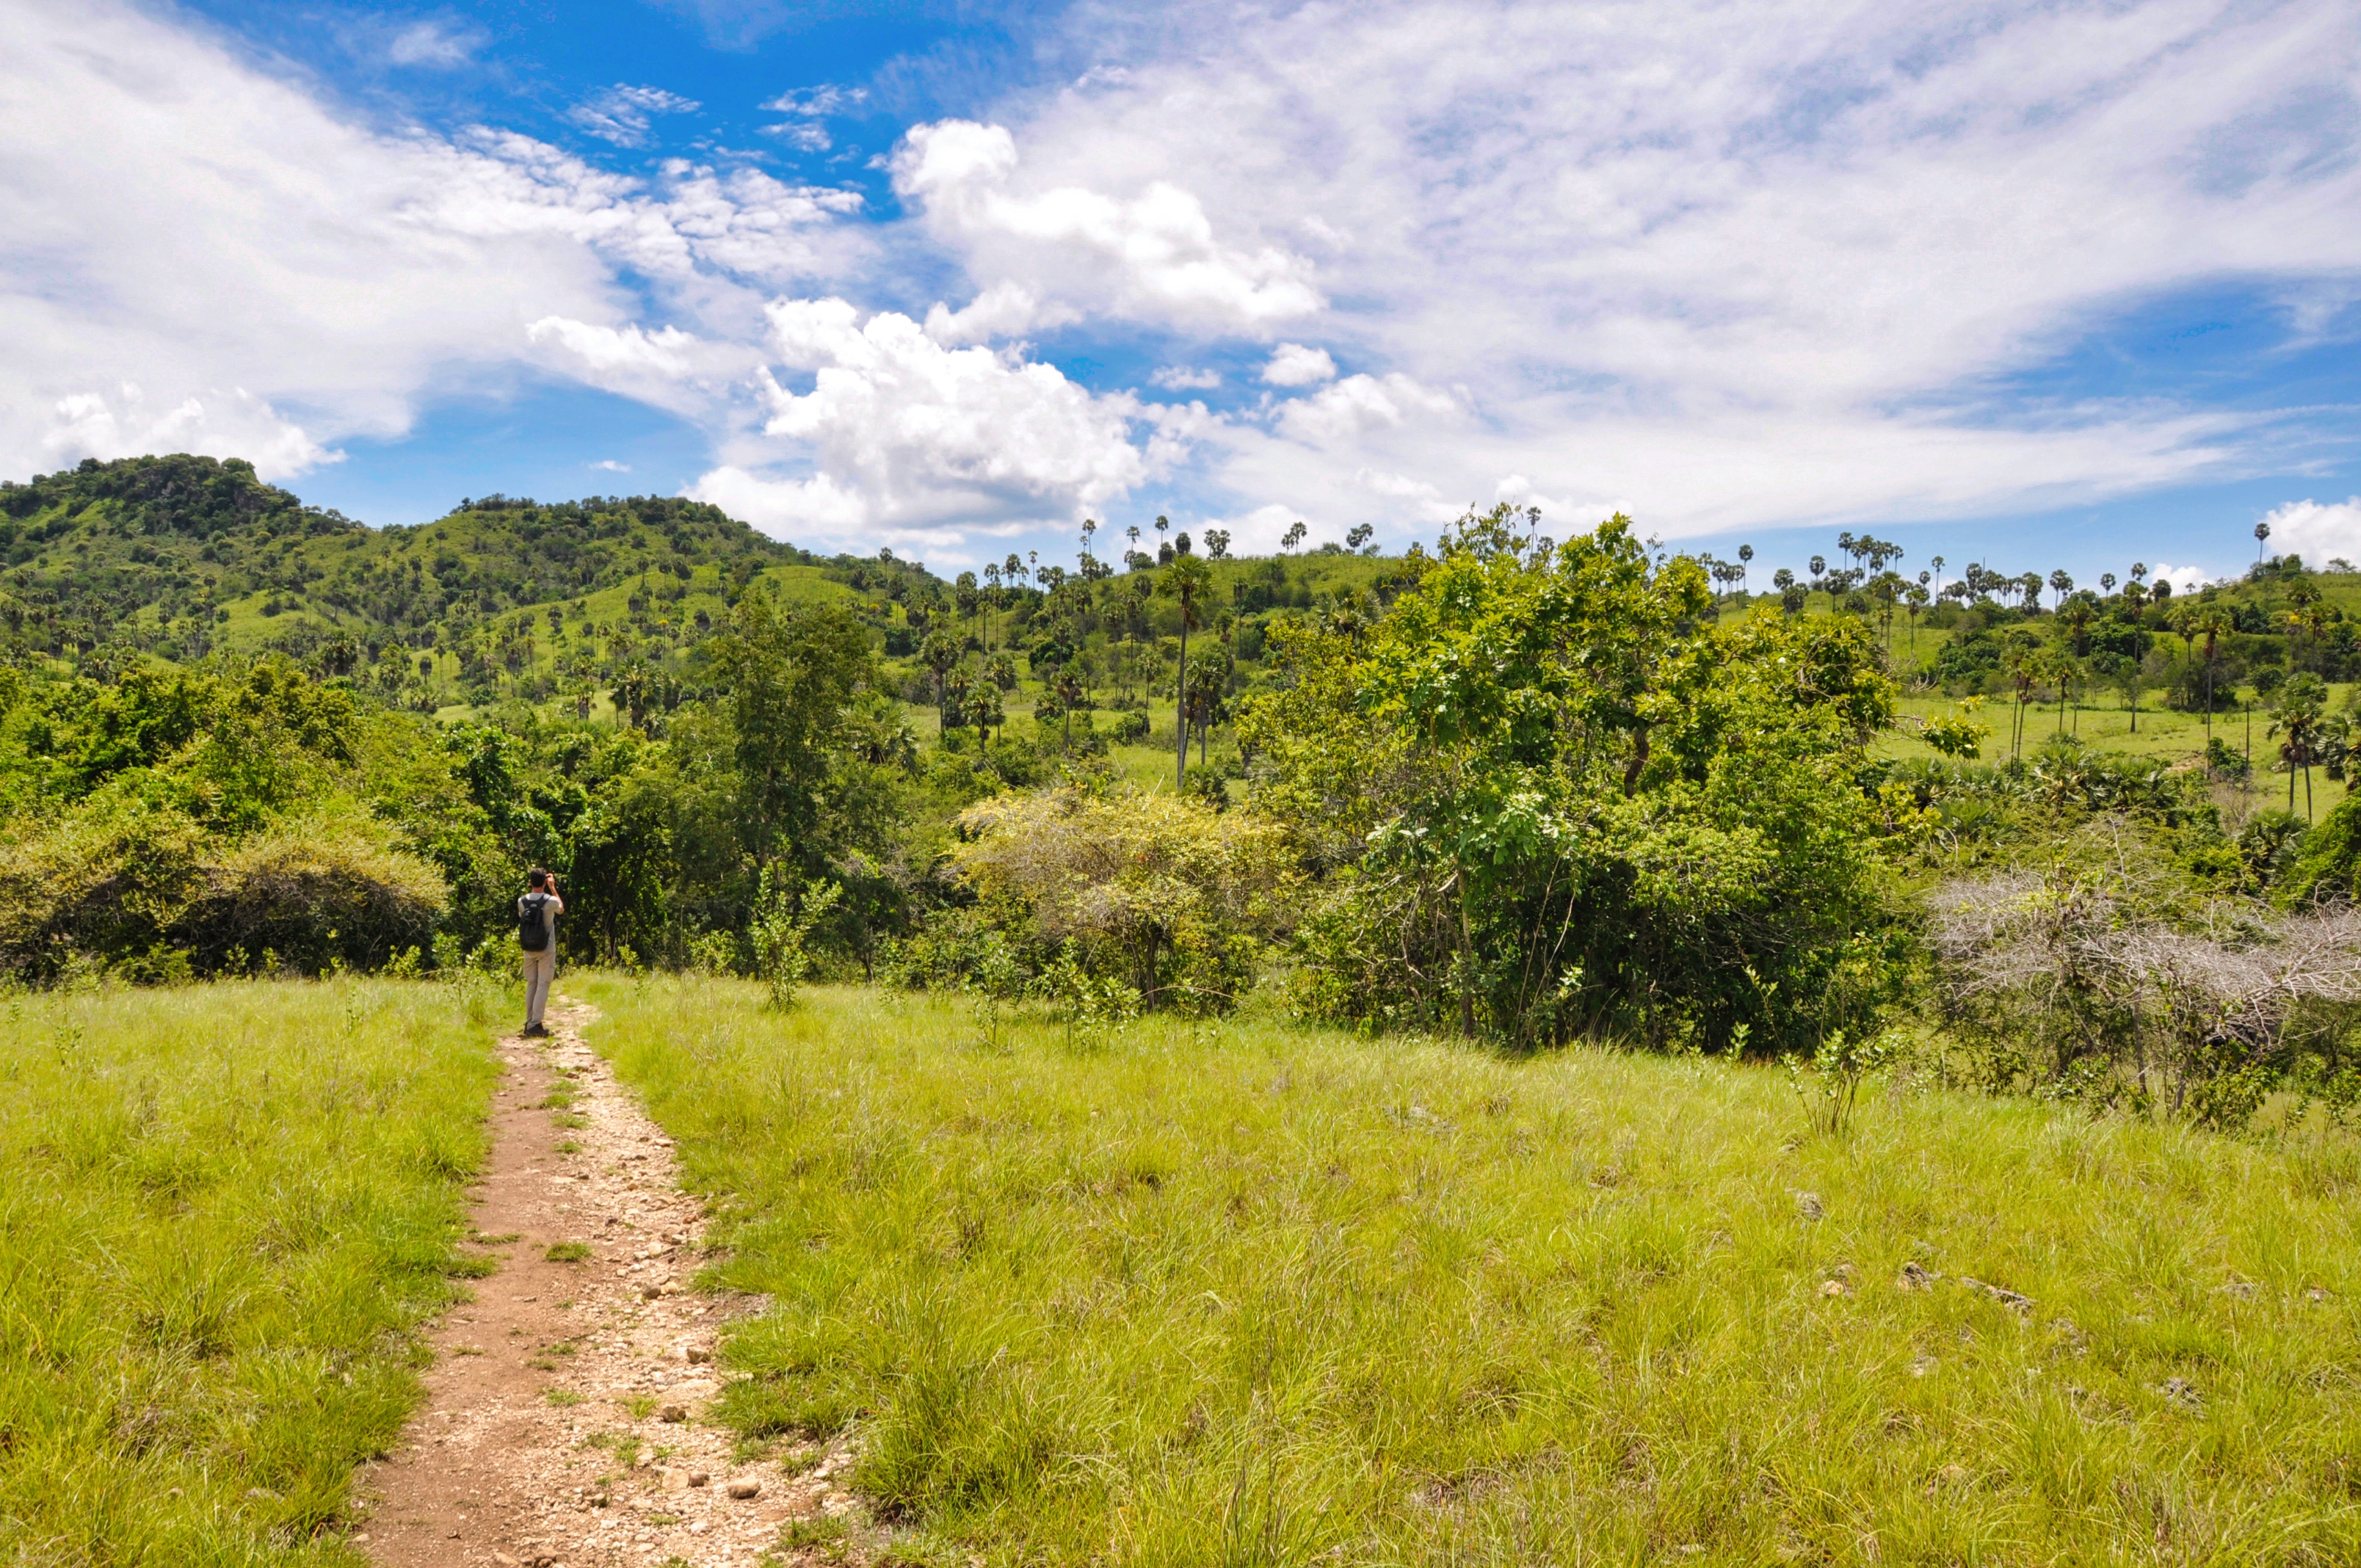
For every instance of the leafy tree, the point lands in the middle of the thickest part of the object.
(1553, 798)
(791, 671)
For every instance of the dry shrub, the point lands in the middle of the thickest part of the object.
(2080, 983)
(1173, 895)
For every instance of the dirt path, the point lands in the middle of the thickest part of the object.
(565, 1422)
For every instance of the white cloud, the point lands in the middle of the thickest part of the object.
(625, 114)
(2317, 530)
(609, 466)
(812, 102)
(433, 43)
(97, 424)
(1002, 311)
(1153, 255)
(2184, 579)
(1361, 405)
(1725, 266)
(1292, 364)
(803, 135)
(804, 108)
(907, 439)
(277, 278)
(605, 349)
(1186, 379)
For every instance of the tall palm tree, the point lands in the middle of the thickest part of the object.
(2296, 712)
(2211, 625)
(1189, 582)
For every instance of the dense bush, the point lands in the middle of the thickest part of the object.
(1548, 798)
(1172, 897)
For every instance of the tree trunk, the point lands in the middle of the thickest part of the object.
(1180, 706)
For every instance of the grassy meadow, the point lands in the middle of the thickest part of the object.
(224, 1208)
(1244, 1293)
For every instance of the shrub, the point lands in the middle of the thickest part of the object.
(2078, 981)
(324, 888)
(1172, 896)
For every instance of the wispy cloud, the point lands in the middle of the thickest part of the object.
(433, 43)
(625, 114)
(806, 107)
(1724, 266)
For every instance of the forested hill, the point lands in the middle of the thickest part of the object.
(181, 555)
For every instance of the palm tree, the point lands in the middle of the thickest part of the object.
(2023, 665)
(2212, 623)
(2296, 713)
(2060, 583)
(1188, 582)
(1070, 693)
(2262, 532)
(1745, 555)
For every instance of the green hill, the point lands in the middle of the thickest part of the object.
(180, 556)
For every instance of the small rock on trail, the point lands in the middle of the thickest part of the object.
(568, 1421)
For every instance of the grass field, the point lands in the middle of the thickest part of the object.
(1250, 1294)
(223, 1207)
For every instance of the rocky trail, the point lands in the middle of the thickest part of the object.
(566, 1424)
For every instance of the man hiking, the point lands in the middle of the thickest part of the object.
(537, 914)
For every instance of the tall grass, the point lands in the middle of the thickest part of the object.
(221, 1209)
(1251, 1295)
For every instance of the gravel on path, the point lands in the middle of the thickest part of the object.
(567, 1421)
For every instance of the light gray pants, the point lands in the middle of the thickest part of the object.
(540, 969)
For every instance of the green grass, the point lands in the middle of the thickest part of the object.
(1254, 1294)
(567, 1252)
(222, 1209)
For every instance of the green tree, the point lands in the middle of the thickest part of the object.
(1555, 798)
(791, 671)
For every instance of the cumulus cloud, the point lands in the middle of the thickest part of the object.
(1002, 311)
(2317, 530)
(1292, 364)
(625, 114)
(2184, 579)
(123, 422)
(1186, 379)
(907, 439)
(1153, 255)
(1361, 405)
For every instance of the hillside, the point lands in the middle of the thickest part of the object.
(182, 555)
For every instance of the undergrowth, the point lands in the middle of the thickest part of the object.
(1251, 1294)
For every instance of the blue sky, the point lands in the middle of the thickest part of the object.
(2037, 285)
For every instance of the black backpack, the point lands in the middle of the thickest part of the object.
(533, 922)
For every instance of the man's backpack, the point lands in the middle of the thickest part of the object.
(533, 922)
